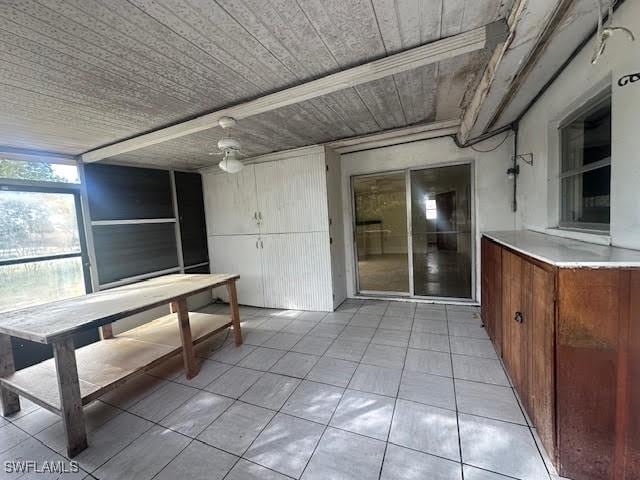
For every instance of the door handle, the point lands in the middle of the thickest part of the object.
(518, 317)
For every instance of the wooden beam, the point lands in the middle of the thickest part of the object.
(396, 136)
(531, 25)
(484, 37)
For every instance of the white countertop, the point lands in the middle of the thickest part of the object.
(564, 252)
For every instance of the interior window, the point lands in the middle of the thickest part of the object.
(585, 173)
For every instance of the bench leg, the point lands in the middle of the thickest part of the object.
(70, 399)
(235, 312)
(9, 401)
(188, 353)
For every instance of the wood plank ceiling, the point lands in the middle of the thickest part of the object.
(79, 74)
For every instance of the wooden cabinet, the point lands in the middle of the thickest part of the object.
(491, 289)
(570, 341)
(286, 208)
(239, 254)
(282, 206)
(231, 204)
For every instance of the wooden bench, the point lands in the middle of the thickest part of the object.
(74, 378)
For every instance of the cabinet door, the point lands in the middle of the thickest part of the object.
(492, 291)
(239, 254)
(230, 202)
(631, 409)
(297, 271)
(540, 325)
(514, 342)
(292, 195)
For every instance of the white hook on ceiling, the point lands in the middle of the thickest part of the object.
(607, 30)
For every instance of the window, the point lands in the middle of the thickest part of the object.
(40, 248)
(431, 208)
(585, 168)
(40, 171)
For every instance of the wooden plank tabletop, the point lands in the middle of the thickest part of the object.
(53, 321)
(106, 364)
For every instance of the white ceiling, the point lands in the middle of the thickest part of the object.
(76, 75)
(79, 74)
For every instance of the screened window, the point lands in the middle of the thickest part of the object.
(40, 171)
(585, 173)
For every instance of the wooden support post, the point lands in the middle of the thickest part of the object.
(235, 312)
(70, 399)
(9, 401)
(106, 331)
(188, 353)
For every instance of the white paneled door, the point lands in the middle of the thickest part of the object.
(296, 271)
(239, 254)
(292, 194)
(230, 202)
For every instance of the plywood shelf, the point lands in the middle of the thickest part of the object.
(106, 364)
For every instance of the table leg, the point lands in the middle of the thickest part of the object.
(235, 312)
(70, 399)
(9, 401)
(188, 353)
(106, 331)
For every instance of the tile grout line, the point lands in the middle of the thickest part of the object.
(455, 398)
(326, 426)
(335, 410)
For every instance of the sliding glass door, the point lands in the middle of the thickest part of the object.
(380, 204)
(441, 236)
(414, 232)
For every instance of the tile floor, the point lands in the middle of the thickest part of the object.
(375, 390)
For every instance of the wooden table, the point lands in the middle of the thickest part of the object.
(74, 378)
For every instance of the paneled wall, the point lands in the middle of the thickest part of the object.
(144, 223)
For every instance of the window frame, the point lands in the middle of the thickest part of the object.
(593, 104)
(36, 186)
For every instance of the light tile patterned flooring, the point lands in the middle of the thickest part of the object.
(376, 390)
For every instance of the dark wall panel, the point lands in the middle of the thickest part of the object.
(192, 221)
(127, 193)
(199, 269)
(124, 251)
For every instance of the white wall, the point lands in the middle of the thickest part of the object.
(538, 196)
(492, 200)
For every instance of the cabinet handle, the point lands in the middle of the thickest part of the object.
(255, 215)
(260, 215)
(256, 243)
(261, 244)
(518, 317)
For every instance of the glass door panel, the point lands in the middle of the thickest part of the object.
(441, 231)
(381, 232)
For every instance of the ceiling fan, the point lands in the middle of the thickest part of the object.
(229, 148)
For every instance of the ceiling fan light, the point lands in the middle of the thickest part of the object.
(230, 164)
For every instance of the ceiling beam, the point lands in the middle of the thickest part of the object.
(480, 38)
(396, 136)
(531, 25)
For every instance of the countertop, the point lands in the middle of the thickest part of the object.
(564, 252)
